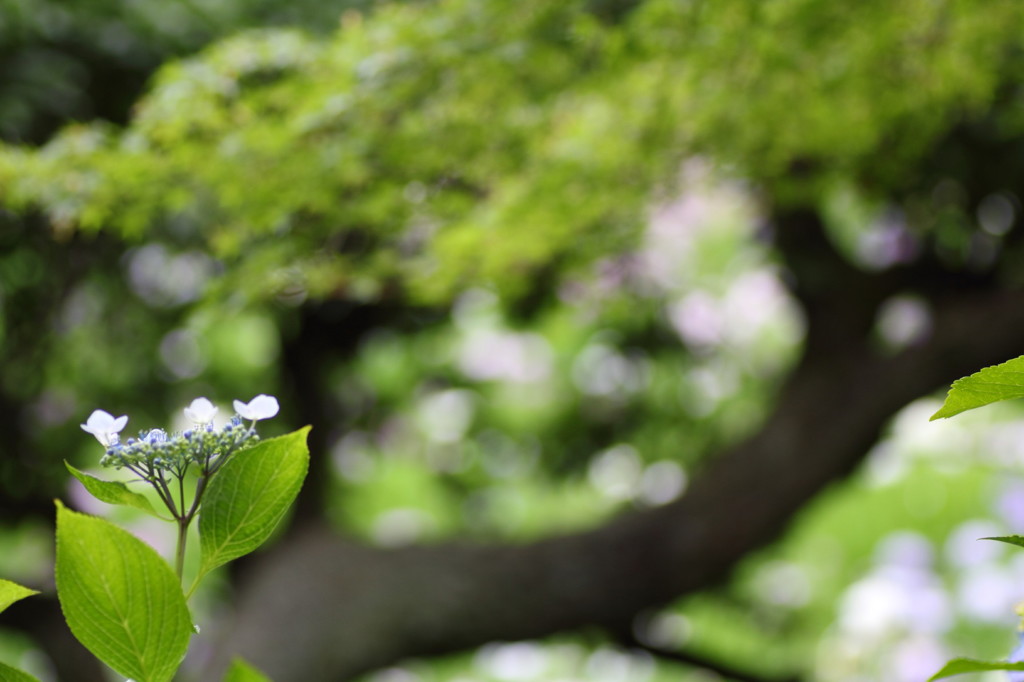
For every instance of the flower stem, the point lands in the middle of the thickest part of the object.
(179, 563)
(183, 523)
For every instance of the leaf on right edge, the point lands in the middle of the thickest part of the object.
(243, 672)
(248, 496)
(1009, 539)
(112, 492)
(12, 592)
(959, 666)
(9, 674)
(990, 385)
(121, 600)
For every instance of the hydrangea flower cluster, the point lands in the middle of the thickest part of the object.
(164, 460)
(203, 445)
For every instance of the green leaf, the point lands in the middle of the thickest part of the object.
(9, 674)
(243, 672)
(12, 592)
(120, 599)
(248, 496)
(112, 492)
(1009, 539)
(959, 666)
(990, 385)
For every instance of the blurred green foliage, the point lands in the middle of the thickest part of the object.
(437, 146)
(557, 207)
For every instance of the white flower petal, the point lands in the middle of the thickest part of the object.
(201, 411)
(261, 407)
(265, 405)
(99, 420)
(104, 426)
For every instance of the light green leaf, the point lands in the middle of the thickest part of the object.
(243, 672)
(959, 666)
(12, 592)
(990, 385)
(112, 492)
(9, 674)
(248, 496)
(1009, 539)
(120, 599)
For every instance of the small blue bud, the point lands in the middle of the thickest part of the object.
(156, 436)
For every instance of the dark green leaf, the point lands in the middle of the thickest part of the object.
(9, 674)
(112, 492)
(120, 599)
(248, 496)
(990, 385)
(1009, 539)
(959, 666)
(12, 592)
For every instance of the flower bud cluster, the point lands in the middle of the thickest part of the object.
(204, 446)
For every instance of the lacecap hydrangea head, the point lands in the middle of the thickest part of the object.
(204, 445)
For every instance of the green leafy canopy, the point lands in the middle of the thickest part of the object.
(474, 142)
(990, 385)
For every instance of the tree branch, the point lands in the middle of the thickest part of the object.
(323, 608)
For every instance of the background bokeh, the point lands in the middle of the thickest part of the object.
(528, 267)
